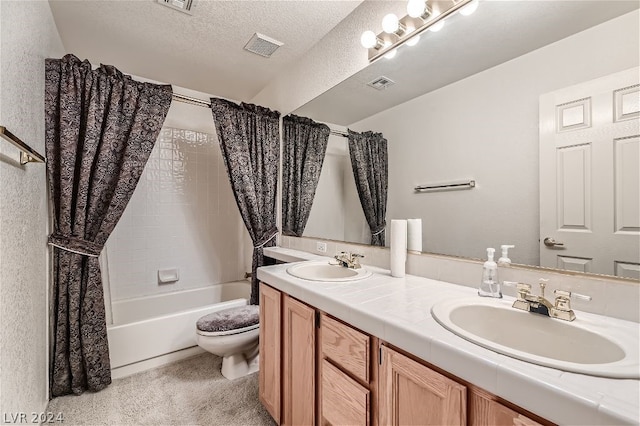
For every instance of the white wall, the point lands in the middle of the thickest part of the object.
(182, 214)
(27, 36)
(486, 127)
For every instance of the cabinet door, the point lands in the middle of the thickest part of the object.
(413, 394)
(299, 363)
(344, 401)
(485, 410)
(270, 359)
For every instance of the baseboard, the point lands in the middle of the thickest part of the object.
(148, 364)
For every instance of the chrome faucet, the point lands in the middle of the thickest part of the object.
(561, 309)
(349, 260)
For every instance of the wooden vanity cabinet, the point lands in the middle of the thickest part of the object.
(287, 358)
(315, 369)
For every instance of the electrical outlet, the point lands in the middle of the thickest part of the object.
(321, 247)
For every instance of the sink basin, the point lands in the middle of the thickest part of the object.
(583, 346)
(323, 271)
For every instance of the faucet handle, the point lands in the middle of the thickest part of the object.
(523, 289)
(562, 307)
(568, 295)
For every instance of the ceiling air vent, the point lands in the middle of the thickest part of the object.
(185, 6)
(381, 83)
(262, 45)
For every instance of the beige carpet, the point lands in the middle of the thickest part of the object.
(189, 392)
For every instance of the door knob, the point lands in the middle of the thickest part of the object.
(550, 242)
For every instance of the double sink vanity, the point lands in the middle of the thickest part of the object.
(340, 345)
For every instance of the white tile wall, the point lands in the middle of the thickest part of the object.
(182, 215)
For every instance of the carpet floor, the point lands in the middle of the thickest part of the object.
(188, 392)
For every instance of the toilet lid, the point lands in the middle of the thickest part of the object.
(230, 321)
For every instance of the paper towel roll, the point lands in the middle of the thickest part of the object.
(414, 235)
(398, 247)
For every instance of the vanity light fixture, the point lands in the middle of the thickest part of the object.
(418, 9)
(370, 40)
(413, 40)
(391, 25)
(438, 25)
(470, 8)
(420, 17)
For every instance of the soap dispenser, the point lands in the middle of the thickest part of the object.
(490, 287)
(504, 259)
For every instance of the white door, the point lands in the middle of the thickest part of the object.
(589, 176)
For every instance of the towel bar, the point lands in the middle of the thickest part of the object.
(446, 186)
(27, 154)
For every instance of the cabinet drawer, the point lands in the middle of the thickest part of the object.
(346, 347)
(344, 401)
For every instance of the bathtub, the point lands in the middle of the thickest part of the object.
(155, 327)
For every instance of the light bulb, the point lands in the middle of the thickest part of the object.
(438, 26)
(413, 40)
(415, 8)
(469, 8)
(368, 39)
(390, 23)
(391, 54)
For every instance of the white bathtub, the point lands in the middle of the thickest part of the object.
(149, 327)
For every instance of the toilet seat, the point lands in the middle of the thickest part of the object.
(228, 332)
(229, 321)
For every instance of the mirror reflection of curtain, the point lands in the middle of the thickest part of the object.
(249, 137)
(304, 147)
(370, 165)
(100, 129)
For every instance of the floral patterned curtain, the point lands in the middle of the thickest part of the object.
(100, 129)
(370, 165)
(305, 144)
(249, 137)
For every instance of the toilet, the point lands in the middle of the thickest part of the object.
(232, 334)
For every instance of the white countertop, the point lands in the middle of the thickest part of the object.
(398, 311)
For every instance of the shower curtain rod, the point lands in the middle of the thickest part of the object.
(200, 102)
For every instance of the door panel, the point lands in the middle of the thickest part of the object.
(589, 175)
(413, 394)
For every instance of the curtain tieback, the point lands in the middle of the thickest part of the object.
(75, 245)
(378, 230)
(264, 240)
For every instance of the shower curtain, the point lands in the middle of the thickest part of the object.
(368, 152)
(249, 137)
(100, 128)
(304, 146)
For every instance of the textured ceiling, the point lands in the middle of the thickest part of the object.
(497, 32)
(202, 52)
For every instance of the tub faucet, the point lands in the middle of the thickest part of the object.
(349, 260)
(561, 309)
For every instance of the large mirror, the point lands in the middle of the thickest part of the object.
(465, 104)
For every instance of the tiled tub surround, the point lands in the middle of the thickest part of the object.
(182, 215)
(610, 296)
(397, 310)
